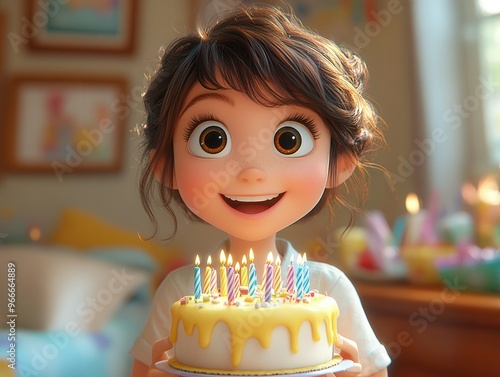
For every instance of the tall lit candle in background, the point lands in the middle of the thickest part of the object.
(252, 276)
(277, 275)
(305, 272)
(244, 271)
(290, 277)
(208, 276)
(230, 279)
(237, 281)
(300, 278)
(223, 274)
(269, 277)
(414, 220)
(197, 279)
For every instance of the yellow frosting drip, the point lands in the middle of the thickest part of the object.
(246, 321)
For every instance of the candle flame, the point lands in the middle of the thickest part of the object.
(244, 260)
(230, 260)
(237, 267)
(197, 261)
(277, 262)
(270, 257)
(251, 256)
(299, 260)
(209, 260)
(487, 191)
(222, 258)
(412, 203)
(304, 258)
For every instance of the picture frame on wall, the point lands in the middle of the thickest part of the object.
(99, 26)
(65, 124)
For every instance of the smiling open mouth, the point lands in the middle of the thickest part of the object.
(252, 204)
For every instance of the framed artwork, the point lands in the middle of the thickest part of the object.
(104, 26)
(65, 124)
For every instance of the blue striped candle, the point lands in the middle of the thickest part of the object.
(197, 279)
(252, 276)
(305, 271)
(300, 278)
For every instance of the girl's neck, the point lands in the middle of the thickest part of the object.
(261, 248)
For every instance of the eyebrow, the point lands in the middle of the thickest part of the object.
(207, 96)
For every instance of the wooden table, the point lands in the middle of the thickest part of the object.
(435, 331)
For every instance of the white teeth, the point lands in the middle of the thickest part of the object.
(252, 199)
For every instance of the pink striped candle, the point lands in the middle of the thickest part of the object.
(290, 277)
(230, 279)
(237, 282)
(213, 282)
(269, 278)
(223, 274)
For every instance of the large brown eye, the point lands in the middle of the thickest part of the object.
(210, 140)
(293, 140)
(287, 140)
(213, 140)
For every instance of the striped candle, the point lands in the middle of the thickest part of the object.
(290, 277)
(208, 275)
(300, 278)
(269, 278)
(223, 274)
(213, 282)
(305, 272)
(244, 271)
(197, 279)
(252, 276)
(237, 282)
(277, 275)
(230, 279)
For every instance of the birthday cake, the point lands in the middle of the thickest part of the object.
(256, 334)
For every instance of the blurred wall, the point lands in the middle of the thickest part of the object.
(385, 42)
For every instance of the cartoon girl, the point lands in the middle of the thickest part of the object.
(251, 125)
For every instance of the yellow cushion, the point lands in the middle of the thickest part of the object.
(81, 230)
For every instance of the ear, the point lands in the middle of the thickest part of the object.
(158, 169)
(344, 169)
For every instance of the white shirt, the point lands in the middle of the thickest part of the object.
(352, 322)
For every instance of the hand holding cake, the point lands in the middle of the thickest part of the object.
(252, 124)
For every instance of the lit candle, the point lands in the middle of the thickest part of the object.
(414, 220)
(252, 276)
(269, 278)
(213, 281)
(223, 274)
(305, 272)
(230, 279)
(290, 277)
(197, 278)
(300, 278)
(244, 271)
(237, 282)
(208, 276)
(277, 275)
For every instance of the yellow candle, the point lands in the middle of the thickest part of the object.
(277, 275)
(244, 271)
(207, 276)
(223, 274)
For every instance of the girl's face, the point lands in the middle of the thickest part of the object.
(237, 162)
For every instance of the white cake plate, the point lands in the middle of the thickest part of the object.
(342, 366)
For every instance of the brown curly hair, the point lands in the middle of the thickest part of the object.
(268, 54)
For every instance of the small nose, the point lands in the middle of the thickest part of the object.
(252, 175)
